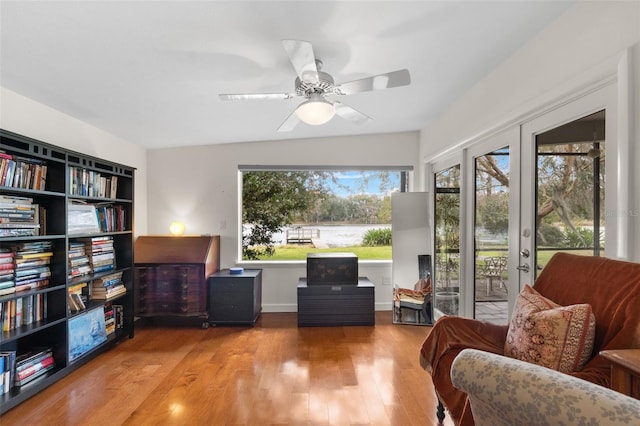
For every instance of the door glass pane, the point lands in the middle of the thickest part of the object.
(491, 229)
(570, 189)
(447, 241)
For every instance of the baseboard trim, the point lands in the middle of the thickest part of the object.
(293, 307)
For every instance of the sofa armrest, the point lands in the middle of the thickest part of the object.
(506, 391)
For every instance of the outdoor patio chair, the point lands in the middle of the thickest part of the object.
(493, 268)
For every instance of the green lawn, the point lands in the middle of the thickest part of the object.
(295, 252)
(299, 252)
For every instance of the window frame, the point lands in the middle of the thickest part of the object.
(406, 178)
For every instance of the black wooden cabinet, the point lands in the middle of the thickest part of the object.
(337, 304)
(235, 298)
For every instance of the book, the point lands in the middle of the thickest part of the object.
(82, 219)
(109, 280)
(34, 371)
(110, 293)
(1, 374)
(27, 310)
(8, 290)
(7, 284)
(22, 172)
(6, 376)
(18, 319)
(36, 255)
(6, 266)
(76, 303)
(31, 284)
(31, 357)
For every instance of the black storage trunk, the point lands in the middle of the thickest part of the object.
(332, 268)
(335, 305)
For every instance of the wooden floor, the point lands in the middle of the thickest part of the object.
(272, 374)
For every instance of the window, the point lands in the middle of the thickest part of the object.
(289, 212)
(570, 188)
(447, 240)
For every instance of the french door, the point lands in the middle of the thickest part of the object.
(529, 191)
(564, 186)
(491, 225)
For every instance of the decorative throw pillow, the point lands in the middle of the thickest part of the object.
(545, 333)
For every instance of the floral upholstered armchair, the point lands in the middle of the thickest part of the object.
(504, 391)
(597, 298)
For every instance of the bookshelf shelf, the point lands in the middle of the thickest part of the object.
(38, 183)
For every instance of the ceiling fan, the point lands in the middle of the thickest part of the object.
(315, 85)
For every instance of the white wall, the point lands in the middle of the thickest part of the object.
(579, 40)
(583, 45)
(24, 116)
(199, 186)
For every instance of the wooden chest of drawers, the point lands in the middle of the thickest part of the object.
(170, 288)
(171, 275)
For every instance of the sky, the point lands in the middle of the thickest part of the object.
(352, 183)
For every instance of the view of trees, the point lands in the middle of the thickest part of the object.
(566, 208)
(272, 200)
(565, 194)
(361, 209)
(570, 195)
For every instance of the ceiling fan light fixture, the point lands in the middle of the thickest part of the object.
(316, 110)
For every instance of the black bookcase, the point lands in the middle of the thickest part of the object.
(50, 318)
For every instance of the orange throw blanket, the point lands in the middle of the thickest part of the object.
(611, 287)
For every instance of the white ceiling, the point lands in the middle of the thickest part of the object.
(150, 72)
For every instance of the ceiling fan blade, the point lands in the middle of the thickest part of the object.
(290, 123)
(253, 96)
(350, 114)
(377, 82)
(302, 58)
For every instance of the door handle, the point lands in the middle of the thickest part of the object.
(524, 268)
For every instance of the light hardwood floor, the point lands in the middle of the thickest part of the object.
(272, 374)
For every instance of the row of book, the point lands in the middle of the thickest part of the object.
(25, 266)
(7, 272)
(32, 365)
(105, 288)
(113, 317)
(111, 217)
(91, 256)
(23, 311)
(21, 172)
(19, 216)
(78, 298)
(108, 287)
(22, 369)
(93, 218)
(101, 253)
(88, 183)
